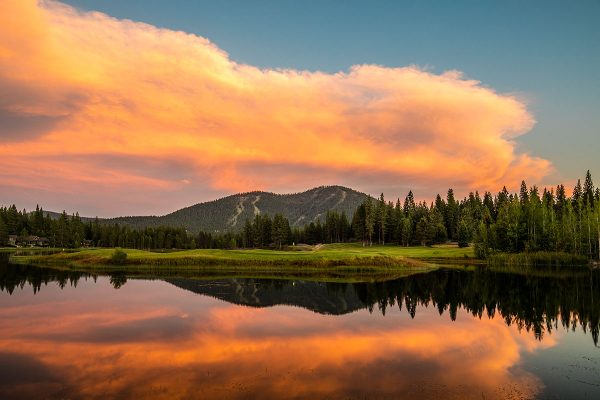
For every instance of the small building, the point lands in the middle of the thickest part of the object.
(87, 243)
(12, 240)
(36, 241)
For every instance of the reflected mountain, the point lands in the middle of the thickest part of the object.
(537, 302)
(320, 297)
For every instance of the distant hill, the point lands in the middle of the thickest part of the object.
(56, 215)
(230, 213)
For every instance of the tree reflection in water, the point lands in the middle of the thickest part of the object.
(536, 301)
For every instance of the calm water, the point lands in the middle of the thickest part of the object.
(445, 334)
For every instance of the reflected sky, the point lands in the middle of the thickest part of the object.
(152, 339)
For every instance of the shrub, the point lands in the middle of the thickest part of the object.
(119, 257)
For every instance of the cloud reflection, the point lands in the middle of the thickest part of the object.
(93, 342)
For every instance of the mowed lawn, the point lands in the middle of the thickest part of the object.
(323, 253)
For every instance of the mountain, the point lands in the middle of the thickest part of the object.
(56, 215)
(230, 213)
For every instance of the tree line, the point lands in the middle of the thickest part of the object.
(506, 222)
(531, 220)
(72, 232)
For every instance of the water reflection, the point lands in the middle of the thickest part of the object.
(80, 338)
(536, 302)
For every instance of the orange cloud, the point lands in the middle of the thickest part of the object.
(83, 86)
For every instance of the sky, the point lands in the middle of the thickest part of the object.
(143, 107)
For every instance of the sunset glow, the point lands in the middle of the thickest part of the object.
(290, 199)
(104, 108)
(201, 345)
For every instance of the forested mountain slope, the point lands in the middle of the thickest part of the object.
(230, 213)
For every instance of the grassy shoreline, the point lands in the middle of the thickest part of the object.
(335, 256)
(320, 256)
(538, 259)
(326, 263)
(335, 262)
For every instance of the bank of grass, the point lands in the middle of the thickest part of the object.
(32, 250)
(341, 256)
(540, 259)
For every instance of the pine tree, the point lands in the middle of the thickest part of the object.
(436, 228)
(577, 195)
(588, 190)
(561, 200)
(267, 229)
(523, 194)
(502, 198)
(248, 237)
(257, 231)
(502, 228)
(463, 234)
(62, 231)
(488, 203)
(381, 214)
(452, 215)
(77, 234)
(407, 231)
(398, 222)
(3, 233)
(422, 231)
(481, 245)
(358, 223)
(280, 230)
(598, 230)
(13, 222)
(588, 219)
(409, 204)
(369, 220)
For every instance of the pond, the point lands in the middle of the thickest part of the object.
(451, 333)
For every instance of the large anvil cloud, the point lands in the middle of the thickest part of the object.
(101, 108)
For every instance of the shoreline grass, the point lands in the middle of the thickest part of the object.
(343, 262)
(537, 259)
(335, 256)
(327, 263)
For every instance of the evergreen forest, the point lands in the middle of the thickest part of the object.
(532, 220)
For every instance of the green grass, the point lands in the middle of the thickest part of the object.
(340, 262)
(31, 250)
(335, 255)
(538, 259)
(335, 262)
